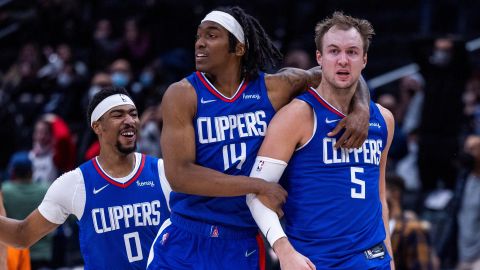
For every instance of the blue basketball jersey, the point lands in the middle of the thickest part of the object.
(333, 211)
(120, 221)
(228, 135)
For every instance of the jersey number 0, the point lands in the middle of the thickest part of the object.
(127, 238)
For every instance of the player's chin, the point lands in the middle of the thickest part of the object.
(126, 148)
(201, 66)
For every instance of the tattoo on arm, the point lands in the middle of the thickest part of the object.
(294, 77)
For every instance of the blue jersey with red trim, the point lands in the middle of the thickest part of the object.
(120, 221)
(333, 210)
(228, 135)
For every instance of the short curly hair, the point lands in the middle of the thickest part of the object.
(344, 22)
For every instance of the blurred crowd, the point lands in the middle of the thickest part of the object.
(60, 53)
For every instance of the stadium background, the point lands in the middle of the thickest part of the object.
(51, 51)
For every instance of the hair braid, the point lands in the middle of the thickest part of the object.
(261, 54)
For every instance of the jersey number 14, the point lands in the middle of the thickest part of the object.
(230, 155)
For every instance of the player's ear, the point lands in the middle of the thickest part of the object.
(240, 49)
(96, 127)
(318, 56)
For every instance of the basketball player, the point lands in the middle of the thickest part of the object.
(336, 212)
(120, 197)
(214, 123)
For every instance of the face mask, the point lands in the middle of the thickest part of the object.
(146, 79)
(441, 57)
(120, 79)
(64, 79)
(94, 89)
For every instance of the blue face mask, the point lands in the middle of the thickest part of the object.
(120, 79)
(146, 79)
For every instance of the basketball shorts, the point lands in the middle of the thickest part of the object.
(184, 244)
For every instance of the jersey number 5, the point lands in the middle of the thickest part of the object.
(230, 155)
(135, 238)
(353, 177)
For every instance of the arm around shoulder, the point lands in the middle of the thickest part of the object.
(290, 82)
(179, 107)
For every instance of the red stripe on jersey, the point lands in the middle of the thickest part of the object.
(325, 104)
(113, 182)
(216, 92)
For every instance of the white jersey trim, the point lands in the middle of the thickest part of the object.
(123, 180)
(314, 129)
(220, 93)
(67, 195)
(164, 182)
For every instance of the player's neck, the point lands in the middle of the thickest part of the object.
(116, 165)
(338, 98)
(226, 81)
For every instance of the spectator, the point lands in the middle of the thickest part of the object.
(105, 46)
(399, 148)
(151, 125)
(445, 66)
(298, 58)
(469, 215)
(136, 45)
(44, 169)
(121, 73)
(412, 249)
(22, 196)
(471, 99)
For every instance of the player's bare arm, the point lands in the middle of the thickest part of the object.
(3, 248)
(284, 134)
(178, 147)
(387, 115)
(290, 82)
(24, 233)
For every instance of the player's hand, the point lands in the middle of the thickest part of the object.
(356, 130)
(273, 196)
(289, 258)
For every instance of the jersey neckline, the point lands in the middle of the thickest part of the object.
(218, 94)
(325, 103)
(122, 182)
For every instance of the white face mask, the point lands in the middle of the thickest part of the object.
(64, 79)
(94, 89)
(441, 57)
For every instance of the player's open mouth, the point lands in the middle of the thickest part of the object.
(128, 133)
(343, 74)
